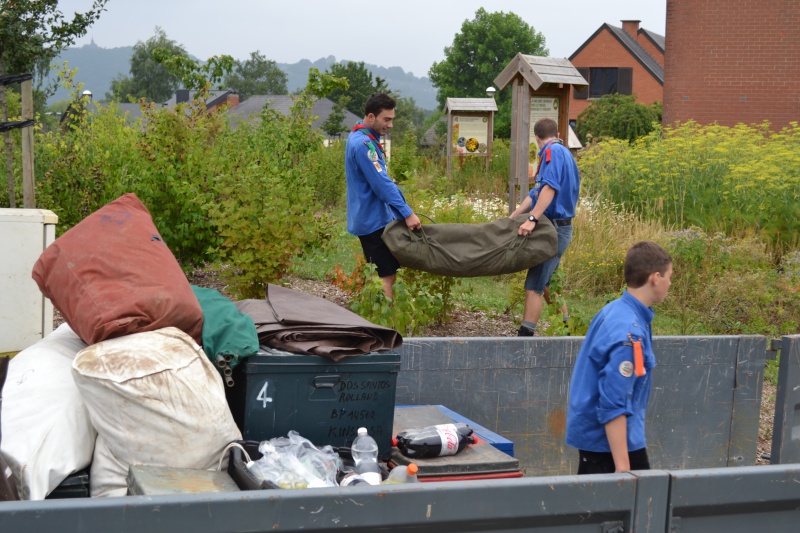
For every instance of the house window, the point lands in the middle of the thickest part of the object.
(604, 81)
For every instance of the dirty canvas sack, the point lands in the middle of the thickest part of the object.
(112, 275)
(470, 250)
(154, 398)
(47, 433)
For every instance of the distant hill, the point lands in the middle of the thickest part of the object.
(98, 66)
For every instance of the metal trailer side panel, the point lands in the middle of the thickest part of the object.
(786, 426)
(753, 498)
(555, 504)
(703, 410)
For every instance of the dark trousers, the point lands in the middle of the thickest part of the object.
(603, 462)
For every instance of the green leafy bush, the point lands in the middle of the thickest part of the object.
(617, 116)
(80, 169)
(265, 196)
(176, 177)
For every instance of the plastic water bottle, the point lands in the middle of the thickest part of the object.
(402, 474)
(349, 478)
(365, 456)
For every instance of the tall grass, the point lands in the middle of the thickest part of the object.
(722, 179)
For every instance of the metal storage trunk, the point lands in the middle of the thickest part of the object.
(326, 402)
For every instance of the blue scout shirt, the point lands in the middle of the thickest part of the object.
(604, 385)
(558, 170)
(373, 199)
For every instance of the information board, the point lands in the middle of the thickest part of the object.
(543, 107)
(470, 134)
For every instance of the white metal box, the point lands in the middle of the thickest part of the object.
(26, 316)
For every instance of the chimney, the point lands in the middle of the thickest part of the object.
(631, 27)
(232, 99)
(181, 95)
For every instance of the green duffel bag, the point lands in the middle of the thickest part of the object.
(471, 250)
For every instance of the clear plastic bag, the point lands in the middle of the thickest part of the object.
(295, 463)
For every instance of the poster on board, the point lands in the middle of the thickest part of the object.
(470, 134)
(541, 107)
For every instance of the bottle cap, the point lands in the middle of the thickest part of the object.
(412, 469)
(362, 432)
(394, 441)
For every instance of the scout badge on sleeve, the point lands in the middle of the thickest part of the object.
(638, 357)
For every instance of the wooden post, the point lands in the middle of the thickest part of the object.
(28, 189)
(514, 170)
(449, 145)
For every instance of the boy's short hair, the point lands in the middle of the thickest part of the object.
(544, 128)
(642, 259)
(377, 103)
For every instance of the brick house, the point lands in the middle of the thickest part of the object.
(626, 60)
(732, 63)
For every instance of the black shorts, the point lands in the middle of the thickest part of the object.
(603, 462)
(377, 253)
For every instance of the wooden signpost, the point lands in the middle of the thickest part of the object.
(470, 128)
(540, 88)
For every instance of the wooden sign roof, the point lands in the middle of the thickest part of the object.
(470, 104)
(538, 71)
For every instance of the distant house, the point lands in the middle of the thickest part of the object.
(238, 112)
(732, 63)
(251, 108)
(215, 99)
(133, 111)
(626, 60)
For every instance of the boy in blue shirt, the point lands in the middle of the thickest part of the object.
(555, 195)
(611, 380)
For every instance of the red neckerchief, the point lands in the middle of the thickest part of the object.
(546, 154)
(368, 133)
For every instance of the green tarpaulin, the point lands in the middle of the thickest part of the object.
(471, 250)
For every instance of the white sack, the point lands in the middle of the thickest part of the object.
(155, 399)
(47, 434)
(108, 474)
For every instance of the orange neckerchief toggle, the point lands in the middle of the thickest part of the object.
(638, 357)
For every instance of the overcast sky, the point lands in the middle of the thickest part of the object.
(410, 34)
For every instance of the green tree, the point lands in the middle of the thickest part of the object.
(33, 32)
(618, 116)
(149, 78)
(409, 121)
(257, 75)
(360, 85)
(484, 47)
(334, 124)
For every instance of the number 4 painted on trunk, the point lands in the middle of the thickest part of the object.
(262, 395)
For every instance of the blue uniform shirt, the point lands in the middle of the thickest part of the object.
(558, 170)
(373, 199)
(604, 385)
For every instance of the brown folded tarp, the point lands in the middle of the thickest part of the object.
(470, 250)
(301, 323)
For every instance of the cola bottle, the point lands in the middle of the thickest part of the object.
(365, 455)
(434, 441)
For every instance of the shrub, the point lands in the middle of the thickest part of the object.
(80, 169)
(265, 196)
(717, 178)
(617, 116)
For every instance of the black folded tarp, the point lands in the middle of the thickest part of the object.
(301, 323)
(470, 250)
